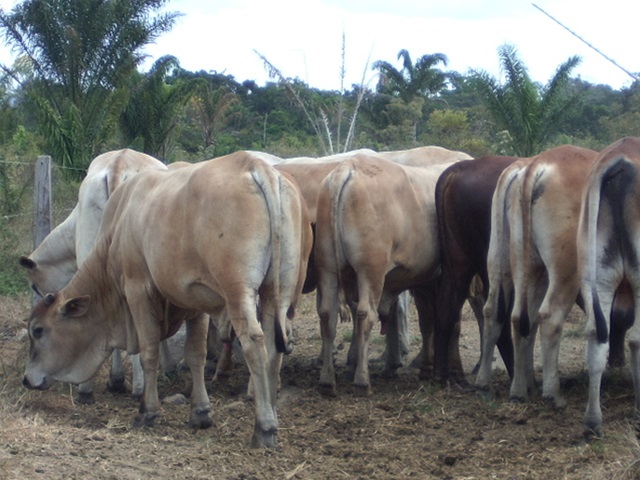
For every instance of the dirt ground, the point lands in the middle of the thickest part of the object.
(407, 429)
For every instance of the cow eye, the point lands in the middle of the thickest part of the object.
(37, 332)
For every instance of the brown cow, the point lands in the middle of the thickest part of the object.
(463, 205)
(157, 263)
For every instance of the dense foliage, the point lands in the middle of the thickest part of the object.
(76, 89)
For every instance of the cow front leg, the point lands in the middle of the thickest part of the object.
(85, 393)
(150, 403)
(195, 354)
(116, 373)
(137, 376)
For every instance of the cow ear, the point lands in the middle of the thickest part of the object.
(75, 307)
(27, 263)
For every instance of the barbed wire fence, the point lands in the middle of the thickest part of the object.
(20, 229)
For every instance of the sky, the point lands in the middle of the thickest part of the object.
(304, 38)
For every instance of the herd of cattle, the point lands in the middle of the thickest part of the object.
(229, 245)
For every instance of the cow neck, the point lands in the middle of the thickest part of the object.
(59, 246)
(107, 300)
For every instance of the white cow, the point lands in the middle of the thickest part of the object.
(608, 253)
(54, 262)
(498, 265)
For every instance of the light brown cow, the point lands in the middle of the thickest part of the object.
(608, 253)
(52, 264)
(544, 223)
(375, 237)
(224, 234)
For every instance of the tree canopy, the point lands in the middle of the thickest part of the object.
(81, 53)
(528, 112)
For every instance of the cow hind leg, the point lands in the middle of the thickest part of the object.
(597, 353)
(424, 298)
(327, 305)
(551, 316)
(364, 325)
(522, 381)
(244, 321)
(395, 319)
(494, 313)
(634, 348)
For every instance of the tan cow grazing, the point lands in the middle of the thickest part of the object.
(544, 224)
(608, 251)
(54, 262)
(375, 238)
(230, 234)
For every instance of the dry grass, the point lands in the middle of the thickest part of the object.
(408, 428)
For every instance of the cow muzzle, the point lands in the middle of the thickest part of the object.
(43, 385)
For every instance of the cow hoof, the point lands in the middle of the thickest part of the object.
(426, 374)
(390, 372)
(363, 390)
(555, 403)
(485, 392)
(328, 389)
(145, 420)
(592, 433)
(116, 385)
(264, 438)
(201, 419)
(85, 398)
(137, 392)
(221, 377)
(517, 399)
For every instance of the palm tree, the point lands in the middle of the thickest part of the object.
(81, 53)
(413, 83)
(421, 79)
(529, 113)
(211, 106)
(154, 108)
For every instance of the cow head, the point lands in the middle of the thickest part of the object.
(65, 343)
(45, 277)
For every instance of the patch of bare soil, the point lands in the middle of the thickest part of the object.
(407, 429)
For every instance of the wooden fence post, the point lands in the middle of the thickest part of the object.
(42, 188)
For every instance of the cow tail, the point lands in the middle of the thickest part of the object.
(445, 237)
(590, 213)
(338, 181)
(525, 253)
(271, 186)
(499, 238)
